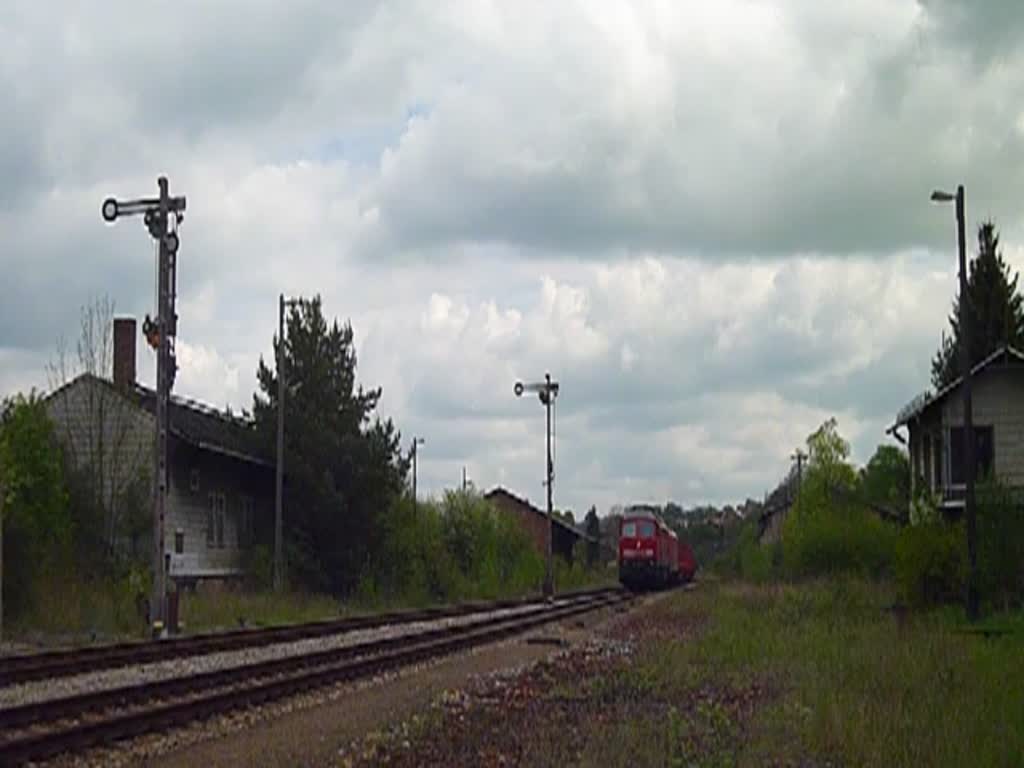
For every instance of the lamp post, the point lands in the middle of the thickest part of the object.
(970, 512)
(161, 215)
(416, 442)
(547, 391)
(279, 494)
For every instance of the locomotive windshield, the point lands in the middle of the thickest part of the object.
(643, 529)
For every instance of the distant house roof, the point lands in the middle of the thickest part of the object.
(499, 491)
(195, 423)
(926, 400)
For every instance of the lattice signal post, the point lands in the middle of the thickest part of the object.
(162, 215)
(547, 391)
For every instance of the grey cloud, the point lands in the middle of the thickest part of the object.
(536, 151)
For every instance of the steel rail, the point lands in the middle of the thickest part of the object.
(24, 715)
(390, 654)
(40, 666)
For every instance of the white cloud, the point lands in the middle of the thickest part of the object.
(708, 220)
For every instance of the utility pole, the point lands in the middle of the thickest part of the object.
(282, 303)
(799, 457)
(416, 441)
(970, 511)
(157, 215)
(463, 478)
(546, 391)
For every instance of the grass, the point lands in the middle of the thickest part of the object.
(837, 678)
(79, 610)
(102, 610)
(226, 609)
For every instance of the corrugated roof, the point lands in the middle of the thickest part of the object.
(925, 400)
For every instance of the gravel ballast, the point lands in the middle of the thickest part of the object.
(45, 690)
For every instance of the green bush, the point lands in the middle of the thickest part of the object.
(931, 562)
(830, 538)
(457, 548)
(1000, 544)
(37, 524)
(258, 566)
(747, 558)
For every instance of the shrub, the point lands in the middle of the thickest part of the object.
(37, 525)
(258, 565)
(454, 549)
(831, 538)
(931, 562)
(1000, 543)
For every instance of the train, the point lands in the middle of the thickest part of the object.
(651, 555)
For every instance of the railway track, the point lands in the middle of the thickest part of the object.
(42, 666)
(45, 729)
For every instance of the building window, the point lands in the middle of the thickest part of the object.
(193, 480)
(246, 531)
(179, 542)
(215, 520)
(937, 462)
(984, 453)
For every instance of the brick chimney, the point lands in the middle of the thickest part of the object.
(124, 352)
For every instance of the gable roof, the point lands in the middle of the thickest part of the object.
(192, 422)
(916, 407)
(499, 491)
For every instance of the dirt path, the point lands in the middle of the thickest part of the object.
(314, 735)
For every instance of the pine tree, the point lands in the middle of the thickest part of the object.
(994, 307)
(344, 464)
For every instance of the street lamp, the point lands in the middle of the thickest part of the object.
(938, 196)
(279, 498)
(547, 391)
(416, 442)
(159, 214)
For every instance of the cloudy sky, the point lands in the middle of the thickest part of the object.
(708, 220)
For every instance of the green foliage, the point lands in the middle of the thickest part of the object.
(37, 526)
(847, 683)
(821, 537)
(258, 566)
(345, 466)
(828, 456)
(747, 558)
(456, 549)
(994, 307)
(1000, 544)
(104, 608)
(203, 611)
(825, 534)
(886, 478)
(931, 562)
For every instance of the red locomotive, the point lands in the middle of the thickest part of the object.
(650, 553)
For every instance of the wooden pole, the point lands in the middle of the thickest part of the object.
(965, 365)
